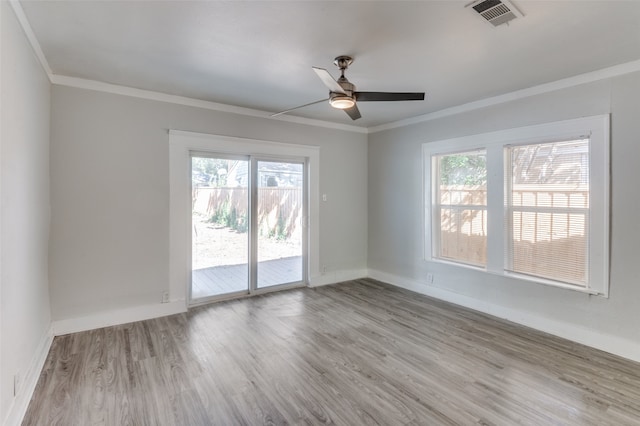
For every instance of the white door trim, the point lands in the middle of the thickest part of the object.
(181, 143)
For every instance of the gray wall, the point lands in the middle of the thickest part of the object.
(396, 215)
(109, 246)
(24, 198)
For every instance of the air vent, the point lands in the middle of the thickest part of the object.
(497, 12)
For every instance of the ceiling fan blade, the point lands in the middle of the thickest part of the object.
(328, 80)
(298, 107)
(353, 112)
(388, 96)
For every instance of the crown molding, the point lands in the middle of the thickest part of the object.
(589, 77)
(31, 36)
(158, 96)
(198, 103)
(602, 74)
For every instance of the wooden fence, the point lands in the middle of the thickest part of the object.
(549, 229)
(279, 208)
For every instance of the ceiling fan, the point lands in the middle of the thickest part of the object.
(343, 94)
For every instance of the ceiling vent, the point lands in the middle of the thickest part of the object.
(497, 12)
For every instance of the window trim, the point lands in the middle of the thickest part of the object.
(596, 128)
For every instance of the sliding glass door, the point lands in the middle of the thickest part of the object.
(248, 232)
(280, 207)
(220, 223)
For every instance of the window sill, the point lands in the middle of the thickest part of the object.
(521, 277)
(547, 282)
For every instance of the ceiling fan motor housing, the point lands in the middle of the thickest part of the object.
(347, 86)
(343, 100)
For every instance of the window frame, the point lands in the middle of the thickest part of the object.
(510, 209)
(596, 128)
(437, 206)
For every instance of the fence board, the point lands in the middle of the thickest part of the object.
(544, 241)
(279, 208)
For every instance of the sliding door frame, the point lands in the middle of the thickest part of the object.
(181, 145)
(253, 245)
(234, 294)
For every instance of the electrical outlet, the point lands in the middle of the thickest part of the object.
(430, 278)
(324, 197)
(165, 297)
(17, 382)
(324, 269)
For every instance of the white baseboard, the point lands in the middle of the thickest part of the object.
(140, 313)
(20, 403)
(334, 277)
(117, 317)
(612, 344)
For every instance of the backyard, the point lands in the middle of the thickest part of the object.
(216, 245)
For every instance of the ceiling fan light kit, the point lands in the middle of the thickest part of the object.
(341, 101)
(343, 94)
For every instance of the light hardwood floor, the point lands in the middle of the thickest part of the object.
(349, 354)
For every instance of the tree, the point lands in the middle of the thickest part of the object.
(463, 169)
(209, 171)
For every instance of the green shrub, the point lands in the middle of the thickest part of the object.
(221, 215)
(281, 228)
(241, 225)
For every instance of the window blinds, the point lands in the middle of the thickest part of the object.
(547, 209)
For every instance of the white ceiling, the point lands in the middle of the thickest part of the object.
(258, 54)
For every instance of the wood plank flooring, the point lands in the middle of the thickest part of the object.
(350, 354)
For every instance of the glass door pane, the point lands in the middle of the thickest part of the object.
(280, 201)
(220, 237)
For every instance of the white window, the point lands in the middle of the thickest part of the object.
(460, 205)
(531, 203)
(547, 202)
